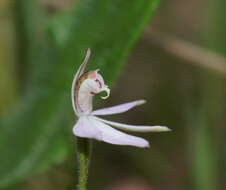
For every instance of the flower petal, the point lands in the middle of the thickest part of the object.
(134, 128)
(84, 128)
(113, 136)
(89, 127)
(119, 108)
(77, 75)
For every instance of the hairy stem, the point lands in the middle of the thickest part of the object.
(84, 151)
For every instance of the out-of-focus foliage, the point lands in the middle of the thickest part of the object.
(207, 125)
(50, 48)
(187, 98)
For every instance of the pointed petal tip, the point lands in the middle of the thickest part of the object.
(140, 102)
(140, 145)
(165, 129)
(147, 146)
(97, 70)
(168, 129)
(88, 51)
(143, 143)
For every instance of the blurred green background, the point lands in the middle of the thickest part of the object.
(170, 53)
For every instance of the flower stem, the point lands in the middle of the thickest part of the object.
(84, 151)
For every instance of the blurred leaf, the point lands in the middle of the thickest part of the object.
(109, 28)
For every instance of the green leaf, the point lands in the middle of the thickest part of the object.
(109, 28)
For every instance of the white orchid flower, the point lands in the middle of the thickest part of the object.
(86, 85)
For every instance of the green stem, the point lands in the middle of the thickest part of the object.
(84, 151)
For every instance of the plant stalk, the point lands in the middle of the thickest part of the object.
(84, 151)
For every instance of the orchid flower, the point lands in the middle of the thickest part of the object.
(84, 87)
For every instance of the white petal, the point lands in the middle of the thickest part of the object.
(77, 75)
(89, 127)
(84, 128)
(135, 128)
(119, 108)
(113, 136)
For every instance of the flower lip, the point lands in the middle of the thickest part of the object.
(96, 84)
(85, 85)
(107, 90)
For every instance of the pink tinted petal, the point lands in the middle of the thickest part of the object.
(135, 128)
(113, 136)
(77, 75)
(85, 128)
(119, 108)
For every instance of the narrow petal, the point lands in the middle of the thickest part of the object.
(119, 108)
(82, 67)
(84, 128)
(113, 136)
(77, 75)
(134, 128)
